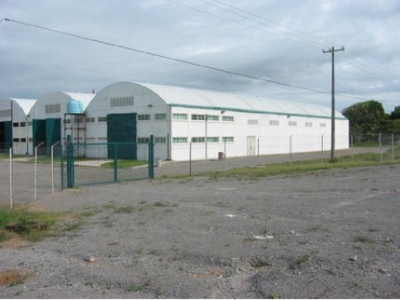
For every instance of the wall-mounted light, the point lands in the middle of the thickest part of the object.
(150, 105)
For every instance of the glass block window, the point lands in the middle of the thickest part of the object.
(23, 124)
(227, 118)
(52, 108)
(308, 124)
(90, 120)
(198, 117)
(143, 140)
(211, 139)
(16, 124)
(179, 140)
(160, 140)
(212, 118)
(143, 117)
(5, 113)
(120, 102)
(227, 139)
(198, 139)
(292, 123)
(23, 140)
(252, 122)
(160, 116)
(179, 116)
(274, 122)
(102, 119)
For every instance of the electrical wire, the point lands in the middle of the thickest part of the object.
(310, 35)
(179, 60)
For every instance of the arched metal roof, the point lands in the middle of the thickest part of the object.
(187, 97)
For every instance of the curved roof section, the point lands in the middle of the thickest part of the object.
(186, 97)
(25, 104)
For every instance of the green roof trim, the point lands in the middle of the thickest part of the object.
(252, 111)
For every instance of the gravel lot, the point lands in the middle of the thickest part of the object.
(326, 234)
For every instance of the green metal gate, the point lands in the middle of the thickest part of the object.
(105, 163)
(53, 134)
(6, 138)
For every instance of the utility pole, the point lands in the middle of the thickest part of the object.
(333, 50)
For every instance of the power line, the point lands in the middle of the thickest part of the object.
(233, 21)
(310, 35)
(177, 59)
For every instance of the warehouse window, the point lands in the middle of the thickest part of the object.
(16, 140)
(212, 139)
(102, 119)
(212, 118)
(308, 124)
(252, 122)
(179, 116)
(160, 116)
(90, 120)
(5, 113)
(179, 140)
(323, 124)
(143, 117)
(274, 122)
(198, 139)
(102, 138)
(16, 124)
(123, 101)
(78, 119)
(227, 139)
(29, 123)
(227, 118)
(52, 108)
(292, 123)
(23, 124)
(23, 140)
(198, 117)
(143, 140)
(160, 140)
(65, 122)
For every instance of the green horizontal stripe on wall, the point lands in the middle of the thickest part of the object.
(253, 111)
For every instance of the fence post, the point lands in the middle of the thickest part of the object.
(392, 147)
(52, 167)
(190, 159)
(322, 149)
(151, 157)
(352, 148)
(290, 146)
(225, 155)
(70, 162)
(35, 188)
(380, 144)
(258, 151)
(115, 146)
(11, 179)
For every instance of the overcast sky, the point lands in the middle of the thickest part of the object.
(279, 40)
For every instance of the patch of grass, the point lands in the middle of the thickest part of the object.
(16, 282)
(161, 204)
(265, 230)
(108, 206)
(125, 209)
(124, 163)
(357, 247)
(142, 202)
(89, 213)
(275, 295)
(29, 225)
(363, 239)
(374, 229)
(302, 259)
(72, 226)
(134, 288)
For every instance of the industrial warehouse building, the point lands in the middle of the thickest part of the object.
(50, 121)
(14, 124)
(209, 122)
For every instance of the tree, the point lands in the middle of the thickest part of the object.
(395, 113)
(366, 118)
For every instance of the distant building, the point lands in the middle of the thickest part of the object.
(14, 124)
(211, 122)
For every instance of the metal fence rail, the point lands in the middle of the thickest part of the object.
(86, 164)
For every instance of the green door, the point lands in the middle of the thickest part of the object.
(53, 134)
(39, 135)
(121, 128)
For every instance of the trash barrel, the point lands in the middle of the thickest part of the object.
(220, 155)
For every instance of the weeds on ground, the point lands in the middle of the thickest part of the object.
(275, 295)
(125, 209)
(363, 239)
(29, 225)
(134, 288)
(161, 204)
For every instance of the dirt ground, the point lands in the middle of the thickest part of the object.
(325, 234)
